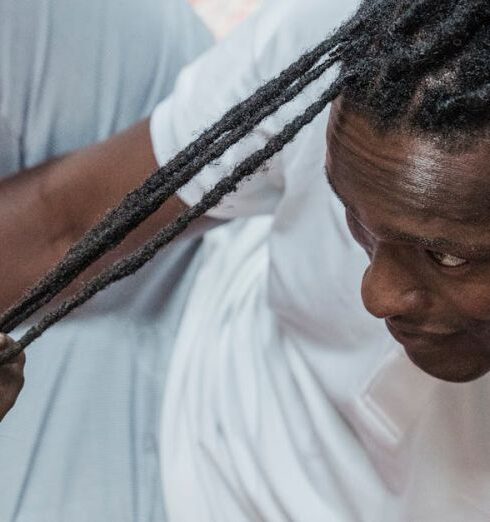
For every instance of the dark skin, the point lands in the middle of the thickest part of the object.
(11, 378)
(422, 216)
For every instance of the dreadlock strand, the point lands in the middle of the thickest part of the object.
(95, 239)
(414, 14)
(469, 110)
(92, 248)
(404, 62)
(413, 61)
(135, 261)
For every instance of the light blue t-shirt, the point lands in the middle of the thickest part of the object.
(81, 443)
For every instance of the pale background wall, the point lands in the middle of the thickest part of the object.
(223, 15)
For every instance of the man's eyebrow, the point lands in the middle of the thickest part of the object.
(438, 244)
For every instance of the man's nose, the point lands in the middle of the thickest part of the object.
(390, 286)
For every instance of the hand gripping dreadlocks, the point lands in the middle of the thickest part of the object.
(420, 65)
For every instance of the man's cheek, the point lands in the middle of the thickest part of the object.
(472, 302)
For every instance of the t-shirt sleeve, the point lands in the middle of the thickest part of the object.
(257, 51)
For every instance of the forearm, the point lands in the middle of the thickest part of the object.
(46, 209)
(32, 238)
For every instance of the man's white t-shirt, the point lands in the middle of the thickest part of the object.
(286, 400)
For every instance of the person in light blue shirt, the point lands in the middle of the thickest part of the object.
(81, 443)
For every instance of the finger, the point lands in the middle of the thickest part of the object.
(7, 342)
(11, 384)
(11, 377)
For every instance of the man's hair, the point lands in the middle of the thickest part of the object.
(420, 65)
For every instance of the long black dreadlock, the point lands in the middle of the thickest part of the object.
(420, 65)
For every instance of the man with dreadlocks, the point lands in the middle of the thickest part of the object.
(286, 397)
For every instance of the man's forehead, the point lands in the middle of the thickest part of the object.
(429, 233)
(409, 170)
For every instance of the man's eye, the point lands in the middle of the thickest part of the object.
(447, 260)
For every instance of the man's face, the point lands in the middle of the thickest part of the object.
(423, 217)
